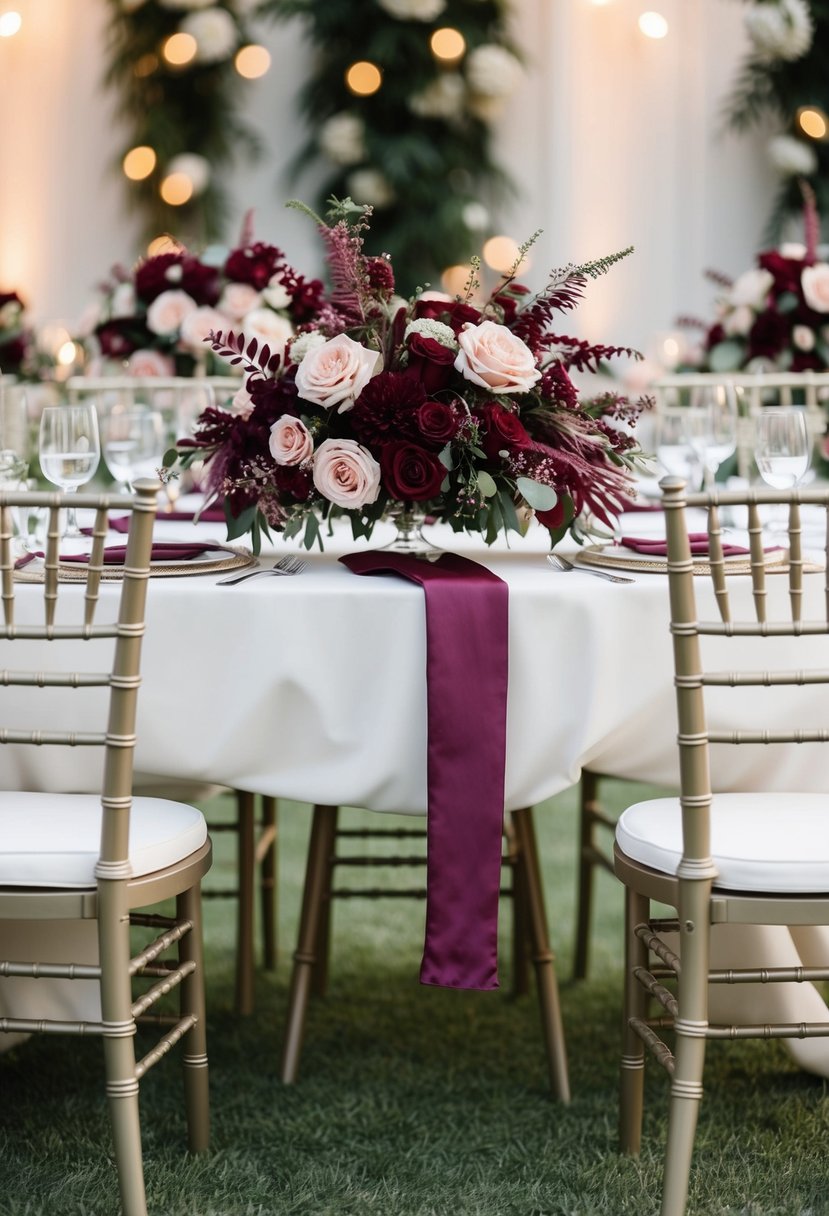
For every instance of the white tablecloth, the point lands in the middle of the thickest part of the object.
(312, 687)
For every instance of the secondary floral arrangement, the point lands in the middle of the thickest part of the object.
(465, 409)
(154, 318)
(15, 336)
(774, 316)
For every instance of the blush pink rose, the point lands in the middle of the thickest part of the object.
(815, 284)
(242, 403)
(150, 363)
(290, 441)
(198, 324)
(237, 299)
(167, 311)
(346, 473)
(337, 372)
(493, 357)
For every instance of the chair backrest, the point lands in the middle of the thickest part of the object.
(692, 678)
(125, 627)
(752, 391)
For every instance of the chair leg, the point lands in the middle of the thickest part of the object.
(319, 975)
(245, 810)
(196, 1092)
(542, 954)
(588, 798)
(632, 1081)
(320, 848)
(119, 1046)
(267, 883)
(689, 1052)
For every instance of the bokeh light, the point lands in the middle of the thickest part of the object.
(363, 78)
(252, 61)
(812, 122)
(179, 49)
(653, 25)
(176, 189)
(139, 163)
(501, 253)
(455, 278)
(10, 23)
(447, 44)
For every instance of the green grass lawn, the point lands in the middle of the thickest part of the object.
(412, 1101)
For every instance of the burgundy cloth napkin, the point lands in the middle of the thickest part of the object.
(212, 515)
(467, 662)
(167, 551)
(638, 504)
(653, 547)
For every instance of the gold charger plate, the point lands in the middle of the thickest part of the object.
(73, 572)
(611, 557)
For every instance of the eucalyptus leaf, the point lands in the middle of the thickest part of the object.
(486, 484)
(536, 495)
(445, 457)
(726, 356)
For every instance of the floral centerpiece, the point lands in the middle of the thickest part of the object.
(774, 316)
(15, 336)
(464, 409)
(154, 318)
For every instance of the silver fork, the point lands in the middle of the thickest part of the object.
(561, 563)
(285, 565)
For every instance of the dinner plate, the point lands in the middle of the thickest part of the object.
(614, 556)
(212, 561)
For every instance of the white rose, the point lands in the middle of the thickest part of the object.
(337, 372)
(780, 31)
(792, 157)
(237, 299)
(751, 288)
(342, 138)
(122, 303)
(413, 10)
(194, 167)
(290, 442)
(370, 186)
(493, 357)
(815, 283)
(346, 473)
(150, 363)
(739, 321)
(492, 70)
(167, 311)
(803, 336)
(215, 32)
(276, 294)
(268, 326)
(197, 325)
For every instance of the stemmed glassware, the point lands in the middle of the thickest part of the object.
(781, 449)
(70, 450)
(713, 427)
(675, 450)
(133, 443)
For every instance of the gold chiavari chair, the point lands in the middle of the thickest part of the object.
(530, 935)
(80, 857)
(734, 858)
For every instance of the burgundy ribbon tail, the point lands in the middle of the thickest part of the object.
(467, 668)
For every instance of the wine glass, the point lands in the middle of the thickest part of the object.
(781, 449)
(713, 425)
(675, 450)
(133, 443)
(70, 449)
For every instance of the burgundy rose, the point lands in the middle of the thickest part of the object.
(453, 313)
(182, 271)
(785, 271)
(510, 299)
(438, 422)
(768, 336)
(120, 337)
(200, 281)
(502, 430)
(410, 473)
(430, 362)
(255, 264)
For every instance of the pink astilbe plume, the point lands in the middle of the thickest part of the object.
(811, 222)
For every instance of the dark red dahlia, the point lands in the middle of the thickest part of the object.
(306, 295)
(176, 271)
(254, 264)
(292, 481)
(380, 276)
(387, 406)
(410, 472)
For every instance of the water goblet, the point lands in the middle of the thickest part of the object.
(133, 443)
(675, 451)
(70, 450)
(713, 425)
(781, 449)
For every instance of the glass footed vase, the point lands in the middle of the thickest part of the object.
(408, 521)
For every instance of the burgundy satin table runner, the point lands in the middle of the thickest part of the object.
(467, 670)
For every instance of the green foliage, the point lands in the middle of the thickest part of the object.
(775, 89)
(434, 167)
(194, 109)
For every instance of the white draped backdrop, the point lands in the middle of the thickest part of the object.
(612, 138)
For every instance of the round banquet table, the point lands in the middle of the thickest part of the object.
(312, 688)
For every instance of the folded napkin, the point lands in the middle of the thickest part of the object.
(629, 505)
(211, 515)
(162, 551)
(651, 546)
(467, 659)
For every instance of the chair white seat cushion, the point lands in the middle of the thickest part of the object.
(53, 840)
(759, 842)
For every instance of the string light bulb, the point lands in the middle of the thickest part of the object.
(179, 49)
(653, 25)
(363, 78)
(252, 61)
(813, 122)
(447, 44)
(139, 163)
(176, 189)
(10, 23)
